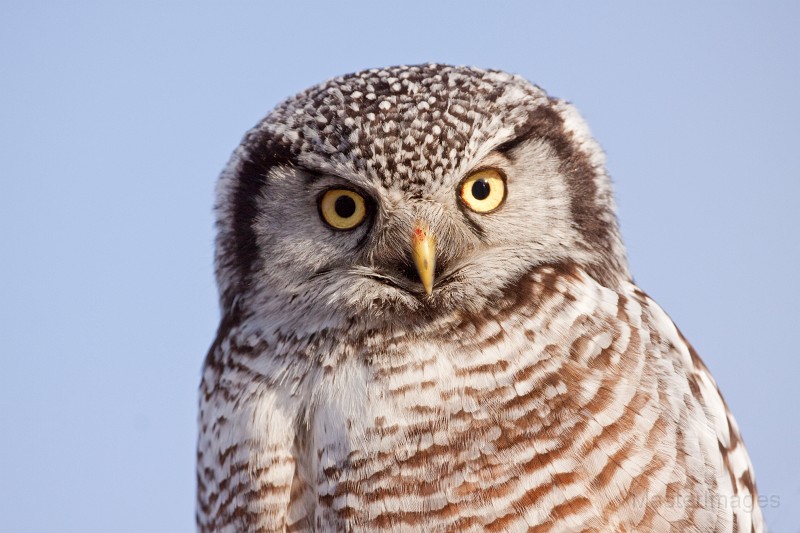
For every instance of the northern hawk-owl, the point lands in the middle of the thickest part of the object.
(428, 324)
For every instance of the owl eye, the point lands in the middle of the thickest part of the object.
(342, 208)
(483, 191)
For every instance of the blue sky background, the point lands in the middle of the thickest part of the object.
(116, 119)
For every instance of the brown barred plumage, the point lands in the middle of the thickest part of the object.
(535, 388)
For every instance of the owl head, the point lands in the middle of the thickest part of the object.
(396, 192)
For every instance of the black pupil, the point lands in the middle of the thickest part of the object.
(344, 206)
(480, 189)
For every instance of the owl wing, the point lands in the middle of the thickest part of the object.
(736, 461)
(246, 468)
(737, 490)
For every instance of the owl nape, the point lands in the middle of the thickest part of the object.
(428, 324)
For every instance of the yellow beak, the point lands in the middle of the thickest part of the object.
(423, 252)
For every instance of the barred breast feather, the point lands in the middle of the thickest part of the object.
(567, 406)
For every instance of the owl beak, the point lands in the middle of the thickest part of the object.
(423, 252)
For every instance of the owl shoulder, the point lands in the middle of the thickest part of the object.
(736, 483)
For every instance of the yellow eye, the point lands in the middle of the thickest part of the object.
(342, 208)
(484, 191)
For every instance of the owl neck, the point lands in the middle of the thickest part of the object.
(274, 321)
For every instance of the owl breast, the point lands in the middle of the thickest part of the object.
(575, 410)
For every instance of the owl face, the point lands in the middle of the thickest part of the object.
(412, 190)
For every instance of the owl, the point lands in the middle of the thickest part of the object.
(428, 324)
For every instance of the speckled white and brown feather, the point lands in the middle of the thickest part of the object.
(553, 395)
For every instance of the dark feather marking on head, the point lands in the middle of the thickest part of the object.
(241, 248)
(546, 124)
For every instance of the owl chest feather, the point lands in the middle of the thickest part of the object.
(574, 403)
